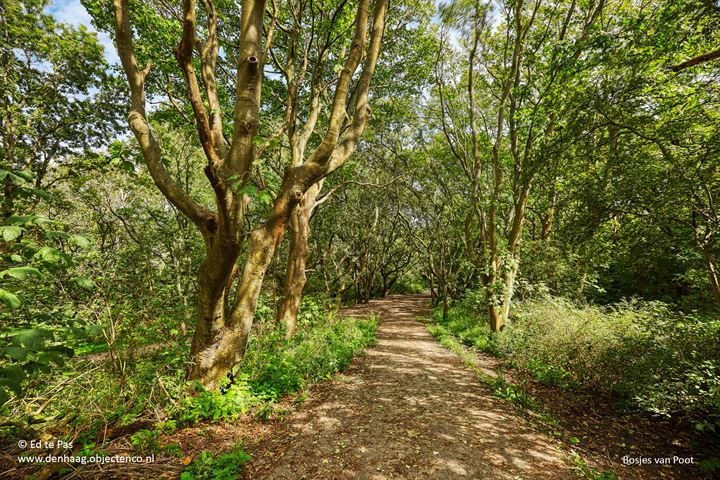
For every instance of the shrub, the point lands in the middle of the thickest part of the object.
(145, 441)
(655, 359)
(465, 323)
(229, 403)
(274, 366)
(278, 366)
(661, 361)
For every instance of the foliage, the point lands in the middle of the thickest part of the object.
(235, 400)
(464, 323)
(589, 472)
(145, 441)
(540, 156)
(58, 98)
(324, 345)
(221, 467)
(657, 360)
(37, 265)
(513, 393)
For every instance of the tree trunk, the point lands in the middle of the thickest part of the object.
(499, 312)
(496, 320)
(295, 278)
(711, 266)
(211, 329)
(508, 292)
(221, 340)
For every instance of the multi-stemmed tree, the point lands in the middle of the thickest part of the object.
(224, 321)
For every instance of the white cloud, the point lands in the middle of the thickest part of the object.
(72, 12)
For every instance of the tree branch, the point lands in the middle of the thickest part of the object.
(184, 53)
(696, 61)
(141, 128)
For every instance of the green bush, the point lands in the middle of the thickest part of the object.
(653, 358)
(146, 441)
(229, 403)
(274, 366)
(466, 324)
(552, 375)
(661, 361)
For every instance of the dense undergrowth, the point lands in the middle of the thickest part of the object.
(640, 353)
(90, 402)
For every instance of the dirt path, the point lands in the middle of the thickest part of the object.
(406, 410)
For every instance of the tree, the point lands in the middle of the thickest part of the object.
(409, 41)
(646, 153)
(223, 329)
(56, 96)
(499, 114)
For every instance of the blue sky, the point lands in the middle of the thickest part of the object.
(73, 13)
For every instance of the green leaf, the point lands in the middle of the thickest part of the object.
(258, 140)
(55, 357)
(250, 190)
(34, 367)
(10, 299)
(53, 256)
(13, 373)
(58, 234)
(16, 179)
(10, 233)
(14, 352)
(26, 219)
(21, 273)
(80, 241)
(265, 197)
(82, 282)
(127, 166)
(27, 176)
(62, 349)
(30, 337)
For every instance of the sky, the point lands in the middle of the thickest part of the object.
(73, 13)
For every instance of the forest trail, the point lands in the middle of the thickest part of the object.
(408, 409)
